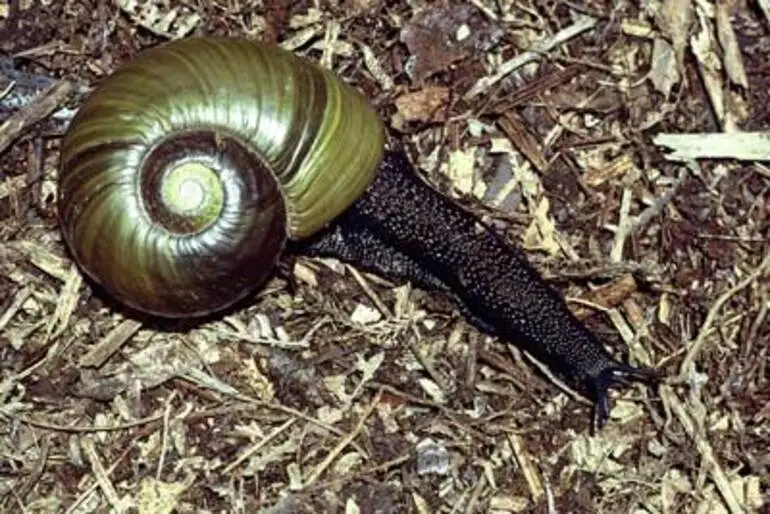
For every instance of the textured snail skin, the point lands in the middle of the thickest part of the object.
(311, 142)
(404, 229)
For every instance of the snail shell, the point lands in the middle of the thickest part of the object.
(184, 173)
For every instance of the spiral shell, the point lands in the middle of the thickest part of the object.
(182, 175)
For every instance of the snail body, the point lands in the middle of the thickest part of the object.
(190, 169)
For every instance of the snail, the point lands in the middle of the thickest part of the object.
(188, 172)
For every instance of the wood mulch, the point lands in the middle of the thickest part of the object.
(620, 143)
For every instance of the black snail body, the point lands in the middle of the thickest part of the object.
(305, 155)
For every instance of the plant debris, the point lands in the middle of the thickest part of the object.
(622, 144)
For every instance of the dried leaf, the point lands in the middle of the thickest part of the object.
(541, 233)
(369, 367)
(461, 171)
(65, 306)
(424, 105)
(365, 315)
(351, 507)
(433, 390)
(347, 463)
(166, 22)
(336, 385)
(441, 35)
(376, 69)
(158, 497)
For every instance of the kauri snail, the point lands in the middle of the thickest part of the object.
(191, 168)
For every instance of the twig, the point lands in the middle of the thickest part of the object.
(757, 324)
(531, 475)
(704, 448)
(625, 226)
(585, 269)
(164, 435)
(75, 507)
(18, 300)
(353, 476)
(696, 346)
(482, 85)
(43, 106)
(111, 343)
(370, 292)
(26, 487)
(91, 428)
(475, 499)
(489, 13)
(750, 146)
(256, 447)
(344, 442)
(101, 476)
(657, 205)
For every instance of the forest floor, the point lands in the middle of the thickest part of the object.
(334, 390)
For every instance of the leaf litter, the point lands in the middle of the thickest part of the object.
(621, 144)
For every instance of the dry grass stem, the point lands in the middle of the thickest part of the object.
(705, 330)
(711, 464)
(344, 442)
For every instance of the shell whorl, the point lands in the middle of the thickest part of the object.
(185, 170)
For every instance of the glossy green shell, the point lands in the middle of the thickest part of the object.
(288, 145)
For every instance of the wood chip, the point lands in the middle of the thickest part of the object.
(110, 343)
(524, 140)
(749, 146)
(526, 463)
(65, 306)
